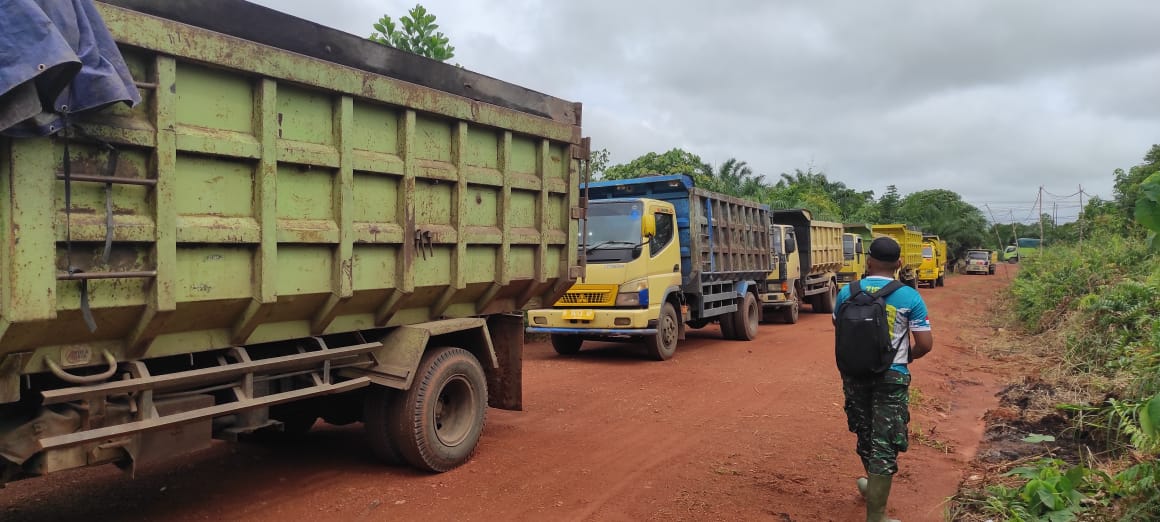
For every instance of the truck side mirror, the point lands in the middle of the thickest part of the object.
(648, 225)
(858, 248)
(790, 244)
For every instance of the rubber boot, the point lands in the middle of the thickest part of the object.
(877, 491)
(862, 484)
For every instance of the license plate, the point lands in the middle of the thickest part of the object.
(579, 315)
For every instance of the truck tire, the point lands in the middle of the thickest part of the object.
(746, 318)
(437, 423)
(941, 281)
(567, 344)
(790, 313)
(727, 330)
(663, 344)
(826, 300)
(378, 404)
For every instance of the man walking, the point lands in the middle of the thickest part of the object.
(874, 319)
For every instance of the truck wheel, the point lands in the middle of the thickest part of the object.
(437, 424)
(377, 405)
(567, 344)
(826, 300)
(746, 318)
(663, 345)
(790, 313)
(727, 330)
(941, 281)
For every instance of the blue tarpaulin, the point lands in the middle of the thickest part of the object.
(56, 58)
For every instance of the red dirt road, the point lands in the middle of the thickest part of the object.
(724, 431)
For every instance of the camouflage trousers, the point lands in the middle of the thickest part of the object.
(877, 410)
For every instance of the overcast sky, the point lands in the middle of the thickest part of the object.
(989, 98)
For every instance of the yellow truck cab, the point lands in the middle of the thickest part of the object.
(809, 258)
(854, 258)
(854, 254)
(661, 255)
(932, 270)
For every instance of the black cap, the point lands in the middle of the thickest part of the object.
(885, 249)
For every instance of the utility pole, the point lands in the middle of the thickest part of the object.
(1081, 219)
(1041, 219)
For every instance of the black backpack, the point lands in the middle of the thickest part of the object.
(863, 346)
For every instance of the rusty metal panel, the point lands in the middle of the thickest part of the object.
(263, 195)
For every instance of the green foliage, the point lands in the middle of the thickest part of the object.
(674, 161)
(1148, 206)
(888, 205)
(1052, 492)
(944, 213)
(418, 34)
(1139, 487)
(1129, 185)
(598, 162)
(1051, 285)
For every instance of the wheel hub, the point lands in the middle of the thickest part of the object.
(454, 411)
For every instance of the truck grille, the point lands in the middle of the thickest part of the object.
(588, 296)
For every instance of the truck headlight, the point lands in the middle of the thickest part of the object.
(633, 294)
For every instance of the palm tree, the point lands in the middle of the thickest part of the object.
(736, 178)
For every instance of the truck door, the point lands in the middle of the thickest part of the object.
(664, 256)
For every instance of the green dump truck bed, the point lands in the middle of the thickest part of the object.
(264, 199)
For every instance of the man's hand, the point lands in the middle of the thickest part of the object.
(922, 345)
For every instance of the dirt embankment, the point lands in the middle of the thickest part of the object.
(724, 431)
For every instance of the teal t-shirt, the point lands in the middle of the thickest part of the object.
(904, 308)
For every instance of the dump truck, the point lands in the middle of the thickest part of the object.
(910, 241)
(855, 243)
(1024, 248)
(662, 255)
(809, 261)
(932, 271)
(293, 224)
(980, 261)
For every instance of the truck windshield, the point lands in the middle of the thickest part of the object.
(978, 255)
(848, 248)
(776, 235)
(613, 231)
(927, 252)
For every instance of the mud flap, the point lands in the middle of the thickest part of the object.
(505, 383)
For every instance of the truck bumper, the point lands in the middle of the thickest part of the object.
(775, 300)
(606, 321)
(603, 332)
(982, 269)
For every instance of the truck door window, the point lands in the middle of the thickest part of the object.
(664, 234)
(848, 248)
(776, 234)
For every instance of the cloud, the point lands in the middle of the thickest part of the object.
(989, 98)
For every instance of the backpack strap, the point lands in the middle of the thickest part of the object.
(890, 287)
(855, 287)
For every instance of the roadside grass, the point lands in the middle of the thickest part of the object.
(1073, 437)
